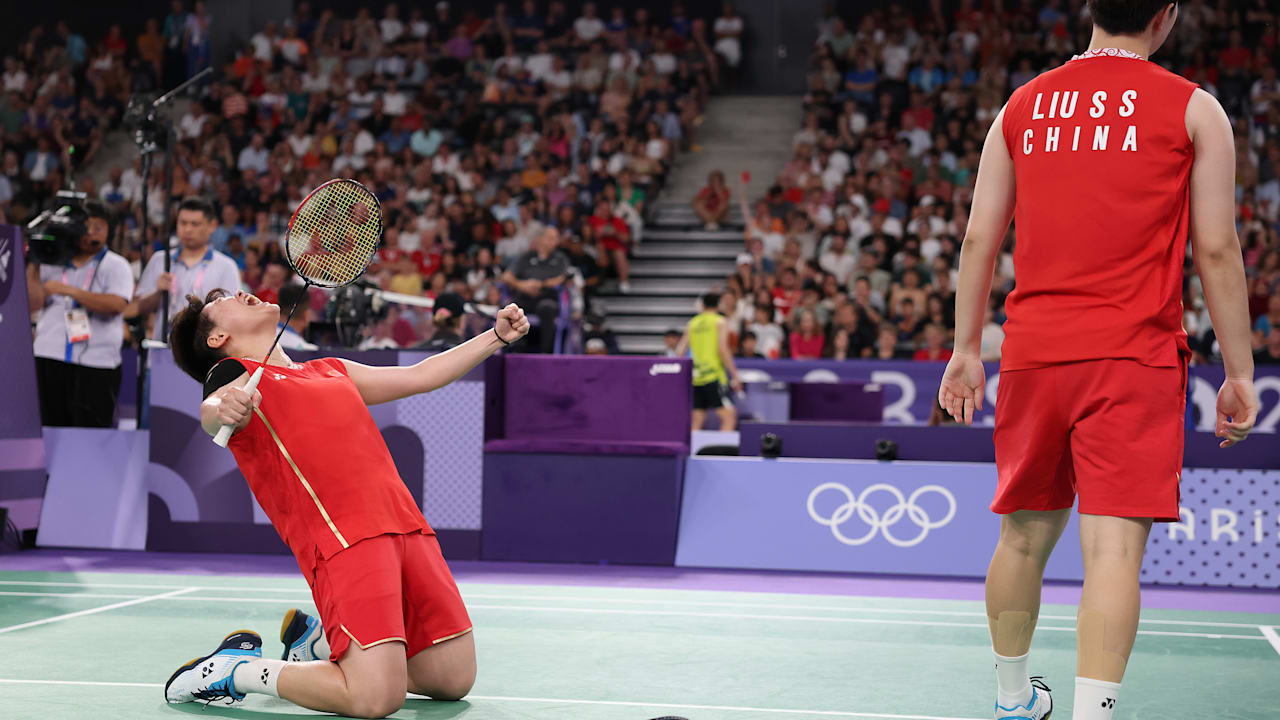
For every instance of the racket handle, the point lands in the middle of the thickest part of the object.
(224, 433)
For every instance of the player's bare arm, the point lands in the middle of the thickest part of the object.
(384, 384)
(964, 380)
(1216, 249)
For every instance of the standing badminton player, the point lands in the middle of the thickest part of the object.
(391, 616)
(1105, 163)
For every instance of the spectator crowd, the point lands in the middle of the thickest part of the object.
(479, 134)
(853, 251)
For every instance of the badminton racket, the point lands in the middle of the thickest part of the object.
(330, 242)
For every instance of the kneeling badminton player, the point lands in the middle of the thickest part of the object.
(391, 618)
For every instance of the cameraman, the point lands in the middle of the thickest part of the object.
(80, 331)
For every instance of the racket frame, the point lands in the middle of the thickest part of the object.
(223, 437)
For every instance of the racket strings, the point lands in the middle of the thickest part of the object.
(334, 234)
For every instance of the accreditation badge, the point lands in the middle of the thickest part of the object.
(77, 325)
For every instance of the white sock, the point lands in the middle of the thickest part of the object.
(322, 647)
(1013, 684)
(259, 675)
(1095, 699)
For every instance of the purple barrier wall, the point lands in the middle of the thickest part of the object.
(636, 400)
(933, 519)
(910, 387)
(588, 462)
(841, 401)
(968, 444)
(199, 501)
(581, 508)
(97, 494)
(22, 459)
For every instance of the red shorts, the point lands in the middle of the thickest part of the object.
(1108, 430)
(611, 243)
(388, 588)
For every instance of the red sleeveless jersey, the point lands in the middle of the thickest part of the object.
(318, 465)
(1102, 162)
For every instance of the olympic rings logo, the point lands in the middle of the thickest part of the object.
(904, 507)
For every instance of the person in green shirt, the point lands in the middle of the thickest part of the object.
(707, 337)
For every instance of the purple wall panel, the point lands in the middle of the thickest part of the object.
(22, 460)
(953, 443)
(581, 508)
(598, 398)
(842, 401)
(933, 519)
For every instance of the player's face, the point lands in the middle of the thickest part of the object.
(242, 314)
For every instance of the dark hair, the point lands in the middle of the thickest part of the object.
(1125, 17)
(189, 335)
(98, 209)
(748, 335)
(673, 333)
(710, 300)
(198, 204)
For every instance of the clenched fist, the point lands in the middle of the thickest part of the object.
(511, 324)
(235, 406)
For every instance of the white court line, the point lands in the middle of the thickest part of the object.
(646, 601)
(573, 701)
(179, 596)
(91, 611)
(820, 618)
(729, 708)
(144, 586)
(99, 596)
(831, 608)
(1270, 634)
(86, 683)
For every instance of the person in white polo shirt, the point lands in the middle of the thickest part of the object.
(80, 330)
(195, 267)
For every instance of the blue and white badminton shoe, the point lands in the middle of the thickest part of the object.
(208, 678)
(303, 637)
(1039, 707)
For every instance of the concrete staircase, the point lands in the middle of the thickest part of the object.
(669, 270)
(677, 260)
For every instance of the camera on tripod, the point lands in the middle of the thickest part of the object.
(53, 237)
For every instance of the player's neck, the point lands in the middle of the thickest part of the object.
(1133, 43)
(254, 350)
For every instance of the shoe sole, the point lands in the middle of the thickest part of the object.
(199, 660)
(292, 627)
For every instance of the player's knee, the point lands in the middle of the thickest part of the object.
(455, 689)
(1019, 540)
(453, 684)
(375, 704)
